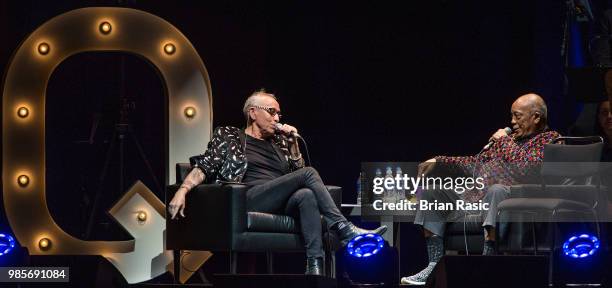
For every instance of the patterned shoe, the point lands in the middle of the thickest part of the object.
(419, 278)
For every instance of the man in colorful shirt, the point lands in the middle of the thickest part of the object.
(512, 158)
(266, 157)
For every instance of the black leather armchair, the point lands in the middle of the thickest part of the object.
(571, 184)
(217, 220)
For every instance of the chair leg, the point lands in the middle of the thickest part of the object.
(507, 235)
(497, 237)
(533, 233)
(233, 262)
(551, 259)
(270, 262)
(203, 277)
(596, 218)
(328, 259)
(177, 265)
(332, 264)
(533, 236)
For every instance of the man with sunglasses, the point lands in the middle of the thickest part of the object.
(266, 157)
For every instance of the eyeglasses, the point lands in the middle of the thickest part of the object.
(271, 110)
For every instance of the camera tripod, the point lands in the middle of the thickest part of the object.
(122, 132)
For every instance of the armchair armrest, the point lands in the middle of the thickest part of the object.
(182, 169)
(588, 194)
(213, 215)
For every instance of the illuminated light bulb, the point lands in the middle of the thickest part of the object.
(169, 48)
(23, 112)
(23, 180)
(105, 28)
(141, 216)
(44, 244)
(43, 48)
(190, 112)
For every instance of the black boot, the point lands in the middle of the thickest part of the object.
(314, 266)
(489, 248)
(347, 231)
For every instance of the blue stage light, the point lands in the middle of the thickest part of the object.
(581, 246)
(365, 245)
(7, 243)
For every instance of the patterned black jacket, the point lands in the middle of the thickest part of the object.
(225, 159)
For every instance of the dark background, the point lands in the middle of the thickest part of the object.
(362, 81)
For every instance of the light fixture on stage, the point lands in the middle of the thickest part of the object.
(28, 72)
(367, 260)
(141, 216)
(23, 180)
(190, 112)
(44, 244)
(105, 28)
(7, 243)
(43, 48)
(581, 246)
(582, 258)
(169, 48)
(365, 245)
(23, 112)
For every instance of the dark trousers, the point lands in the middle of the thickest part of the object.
(303, 195)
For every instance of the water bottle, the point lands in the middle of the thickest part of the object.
(377, 196)
(400, 193)
(389, 194)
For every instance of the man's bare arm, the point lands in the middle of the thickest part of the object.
(194, 178)
(177, 205)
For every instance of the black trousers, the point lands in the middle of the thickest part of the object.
(300, 194)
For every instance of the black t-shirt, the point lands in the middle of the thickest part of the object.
(263, 163)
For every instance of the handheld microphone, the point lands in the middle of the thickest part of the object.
(508, 131)
(278, 130)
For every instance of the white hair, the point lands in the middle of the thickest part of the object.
(253, 101)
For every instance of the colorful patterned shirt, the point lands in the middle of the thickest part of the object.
(508, 161)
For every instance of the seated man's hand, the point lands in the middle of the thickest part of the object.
(426, 167)
(500, 133)
(287, 129)
(177, 204)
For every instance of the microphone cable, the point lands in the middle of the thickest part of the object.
(478, 163)
(465, 215)
(305, 148)
(467, 251)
